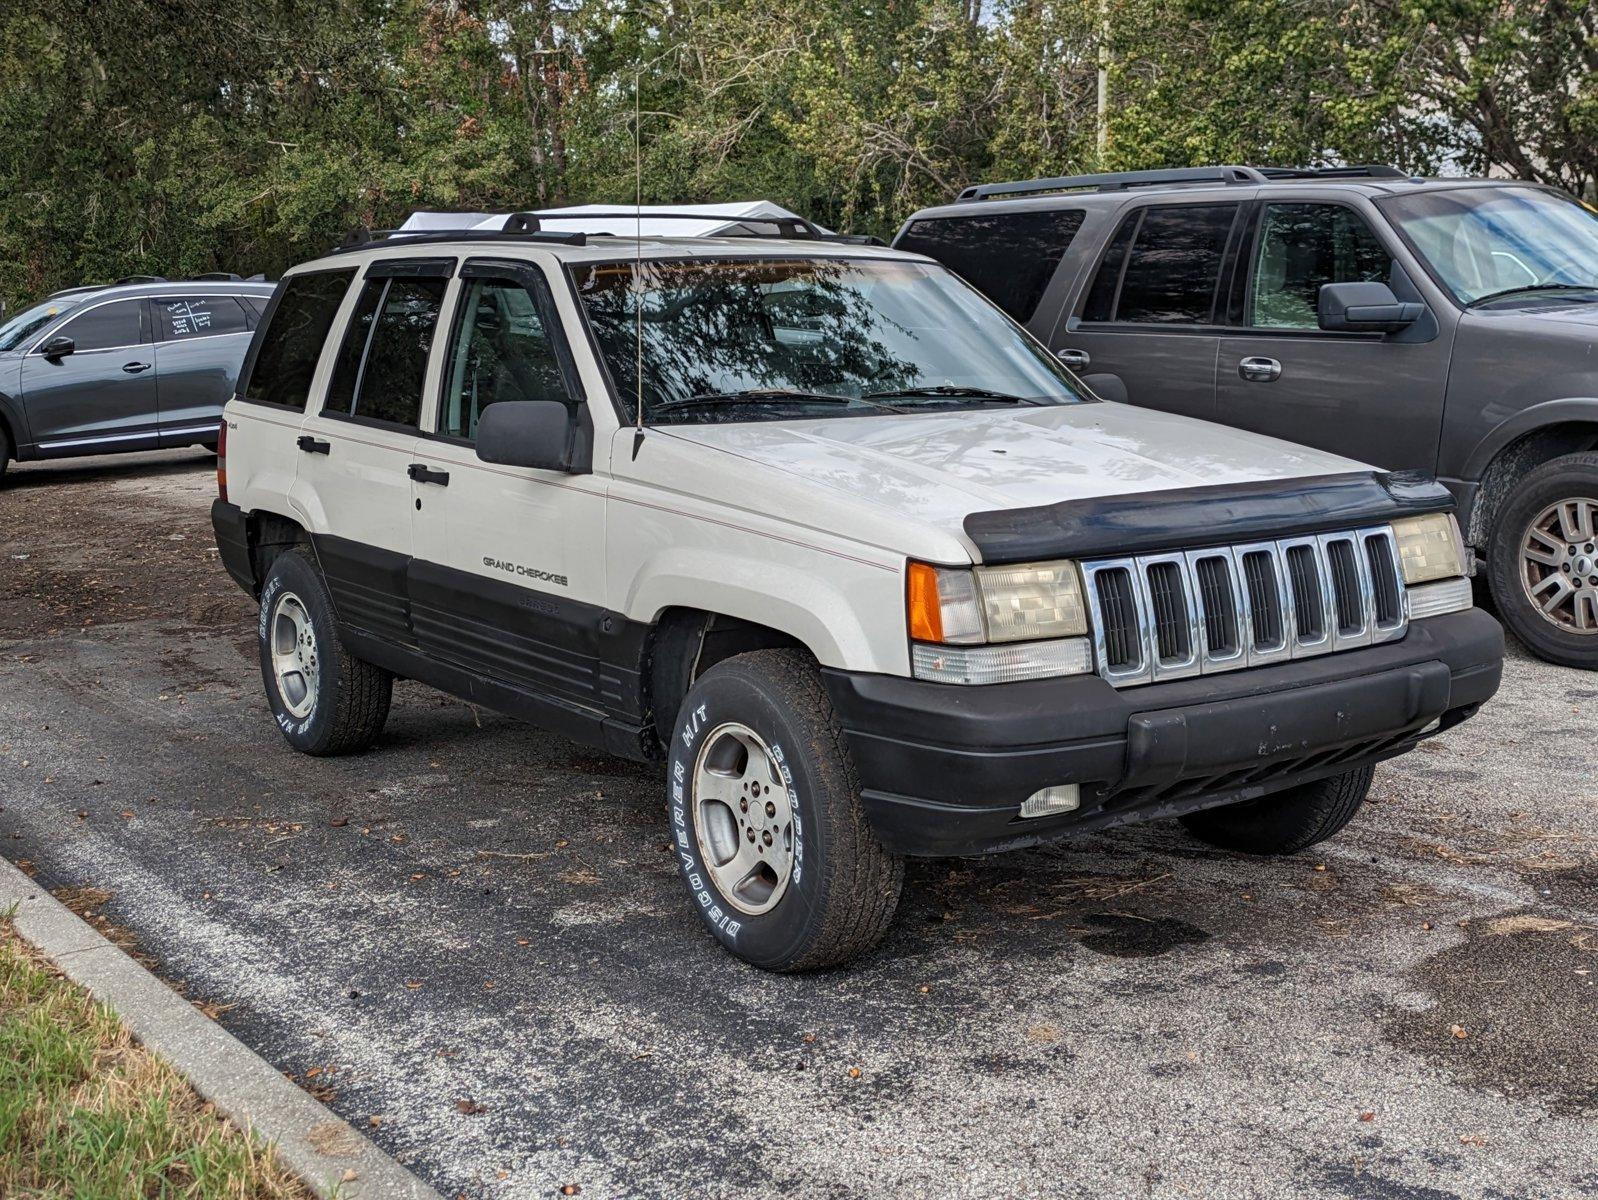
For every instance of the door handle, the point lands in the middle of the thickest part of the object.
(133, 368)
(427, 475)
(1077, 360)
(311, 446)
(1260, 370)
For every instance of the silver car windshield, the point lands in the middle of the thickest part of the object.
(17, 330)
(1484, 243)
(771, 338)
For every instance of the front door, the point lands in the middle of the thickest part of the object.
(356, 451)
(1373, 397)
(200, 345)
(508, 578)
(101, 396)
(1150, 315)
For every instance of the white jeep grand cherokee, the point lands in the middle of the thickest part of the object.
(871, 572)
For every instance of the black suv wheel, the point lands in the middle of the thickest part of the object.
(1543, 561)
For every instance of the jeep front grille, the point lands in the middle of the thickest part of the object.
(1166, 616)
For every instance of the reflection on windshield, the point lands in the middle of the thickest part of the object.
(800, 334)
(1486, 241)
(17, 330)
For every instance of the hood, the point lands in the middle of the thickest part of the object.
(943, 466)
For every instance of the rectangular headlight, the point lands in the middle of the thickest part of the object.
(1429, 547)
(1023, 603)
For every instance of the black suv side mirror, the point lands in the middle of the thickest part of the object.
(58, 347)
(1365, 308)
(527, 433)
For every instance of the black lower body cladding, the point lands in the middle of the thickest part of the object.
(945, 769)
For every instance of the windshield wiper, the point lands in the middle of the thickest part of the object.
(753, 396)
(1533, 287)
(954, 391)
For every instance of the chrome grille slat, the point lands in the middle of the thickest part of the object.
(1167, 616)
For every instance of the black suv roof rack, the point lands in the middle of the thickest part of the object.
(527, 225)
(1115, 181)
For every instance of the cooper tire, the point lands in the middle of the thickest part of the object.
(1284, 822)
(1515, 561)
(801, 806)
(324, 699)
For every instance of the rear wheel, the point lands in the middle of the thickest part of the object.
(1543, 561)
(769, 832)
(325, 700)
(1284, 822)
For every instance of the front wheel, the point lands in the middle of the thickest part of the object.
(325, 700)
(767, 825)
(1543, 561)
(1284, 822)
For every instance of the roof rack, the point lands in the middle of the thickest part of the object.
(1116, 181)
(127, 279)
(527, 225)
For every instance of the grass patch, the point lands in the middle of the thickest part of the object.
(87, 1114)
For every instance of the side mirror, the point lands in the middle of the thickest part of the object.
(1107, 387)
(1365, 308)
(58, 347)
(526, 433)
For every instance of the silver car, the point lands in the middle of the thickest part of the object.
(140, 365)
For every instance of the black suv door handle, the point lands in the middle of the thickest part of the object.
(426, 475)
(1076, 360)
(311, 446)
(133, 368)
(1260, 370)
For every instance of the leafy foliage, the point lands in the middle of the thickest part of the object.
(174, 136)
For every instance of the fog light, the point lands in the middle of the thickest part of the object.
(1045, 802)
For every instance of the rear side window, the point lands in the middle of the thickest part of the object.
(1009, 257)
(184, 317)
(382, 361)
(107, 327)
(1166, 270)
(287, 348)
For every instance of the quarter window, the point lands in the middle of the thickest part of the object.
(501, 352)
(107, 327)
(1302, 248)
(1171, 272)
(286, 351)
(1009, 257)
(185, 317)
(383, 359)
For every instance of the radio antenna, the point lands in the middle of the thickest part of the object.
(638, 262)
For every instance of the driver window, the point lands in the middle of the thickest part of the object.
(107, 327)
(500, 352)
(1302, 248)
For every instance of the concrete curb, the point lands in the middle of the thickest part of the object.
(310, 1140)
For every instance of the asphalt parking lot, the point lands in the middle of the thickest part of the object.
(471, 942)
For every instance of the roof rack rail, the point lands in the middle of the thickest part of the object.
(1115, 181)
(76, 291)
(127, 279)
(216, 277)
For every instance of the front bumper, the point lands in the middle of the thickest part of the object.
(945, 768)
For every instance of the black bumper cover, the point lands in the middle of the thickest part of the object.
(233, 542)
(945, 768)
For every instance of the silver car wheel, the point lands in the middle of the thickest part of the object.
(743, 818)
(294, 660)
(1559, 565)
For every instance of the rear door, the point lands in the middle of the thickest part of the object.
(1152, 313)
(102, 396)
(1374, 397)
(200, 345)
(357, 445)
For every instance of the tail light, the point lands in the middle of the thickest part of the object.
(221, 460)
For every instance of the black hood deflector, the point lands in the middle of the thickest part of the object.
(1188, 518)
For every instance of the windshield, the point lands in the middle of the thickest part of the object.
(1486, 242)
(19, 328)
(766, 339)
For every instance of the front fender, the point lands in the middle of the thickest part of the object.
(1527, 420)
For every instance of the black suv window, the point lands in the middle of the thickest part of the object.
(1301, 248)
(501, 352)
(383, 359)
(1009, 257)
(183, 317)
(1163, 266)
(286, 350)
(107, 327)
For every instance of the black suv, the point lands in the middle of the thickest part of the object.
(138, 365)
(1446, 325)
